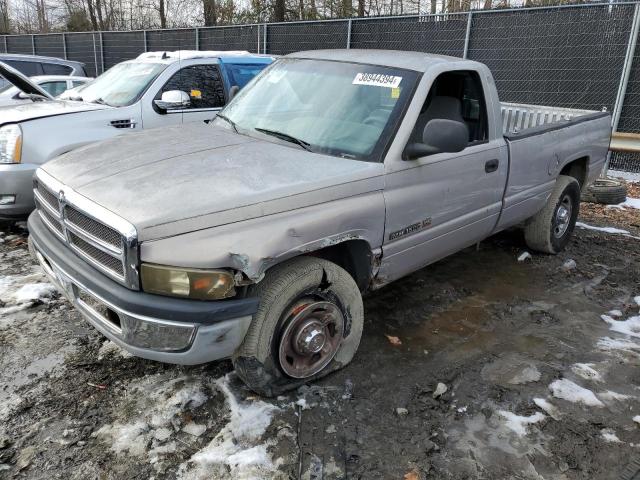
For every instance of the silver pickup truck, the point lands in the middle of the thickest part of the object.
(332, 173)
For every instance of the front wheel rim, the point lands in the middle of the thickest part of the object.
(562, 218)
(311, 338)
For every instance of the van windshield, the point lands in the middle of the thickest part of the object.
(119, 86)
(336, 108)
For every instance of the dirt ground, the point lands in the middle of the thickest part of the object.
(478, 367)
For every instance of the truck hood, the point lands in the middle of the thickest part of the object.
(22, 82)
(174, 180)
(47, 108)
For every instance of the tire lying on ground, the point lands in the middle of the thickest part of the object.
(605, 191)
(550, 229)
(309, 324)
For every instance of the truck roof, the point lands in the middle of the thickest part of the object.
(417, 61)
(174, 56)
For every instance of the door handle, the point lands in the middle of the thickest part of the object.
(491, 166)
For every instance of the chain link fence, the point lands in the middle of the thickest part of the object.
(569, 56)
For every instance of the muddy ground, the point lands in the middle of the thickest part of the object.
(499, 369)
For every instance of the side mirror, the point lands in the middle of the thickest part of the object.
(233, 91)
(173, 100)
(439, 136)
(22, 96)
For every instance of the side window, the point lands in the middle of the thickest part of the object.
(56, 69)
(203, 84)
(77, 83)
(456, 96)
(54, 88)
(474, 109)
(27, 68)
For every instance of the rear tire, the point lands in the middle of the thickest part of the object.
(308, 325)
(550, 229)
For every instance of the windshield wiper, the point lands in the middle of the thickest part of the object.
(229, 121)
(100, 101)
(35, 97)
(286, 137)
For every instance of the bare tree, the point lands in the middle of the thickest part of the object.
(4, 17)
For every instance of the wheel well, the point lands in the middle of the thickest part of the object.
(577, 169)
(354, 256)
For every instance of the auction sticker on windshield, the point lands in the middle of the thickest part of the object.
(377, 80)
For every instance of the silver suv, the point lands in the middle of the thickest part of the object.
(32, 65)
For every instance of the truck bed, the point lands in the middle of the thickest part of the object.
(541, 141)
(517, 117)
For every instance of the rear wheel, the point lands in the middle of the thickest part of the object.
(309, 324)
(551, 228)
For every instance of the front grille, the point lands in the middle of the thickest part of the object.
(48, 197)
(52, 221)
(92, 227)
(103, 246)
(103, 258)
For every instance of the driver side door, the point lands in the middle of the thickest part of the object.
(441, 203)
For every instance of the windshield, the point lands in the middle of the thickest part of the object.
(121, 85)
(8, 90)
(336, 108)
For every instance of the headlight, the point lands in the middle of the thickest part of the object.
(10, 144)
(186, 282)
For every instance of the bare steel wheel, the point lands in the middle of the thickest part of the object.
(309, 324)
(550, 229)
(563, 216)
(311, 338)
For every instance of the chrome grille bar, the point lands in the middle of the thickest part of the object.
(98, 236)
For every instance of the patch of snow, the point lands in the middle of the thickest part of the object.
(156, 452)
(234, 450)
(162, 434)
(462, 409)
(302, 403)
(163, 401)
(610, 344)
(34, 291)
(636, 419)
(637, 300)
(18, 292)
(602, 229)
(586, 371)
(519, 424)
(126, 438)
(524, 256)
(628, 176)
(615, 313)
(548, 407)
(630, 326)
(194, 429)
(609, 435)
(572, 392)
(609, 395)
(630, 202)
(251, 457)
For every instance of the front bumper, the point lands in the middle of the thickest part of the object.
(165, 329)
(17, 179)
